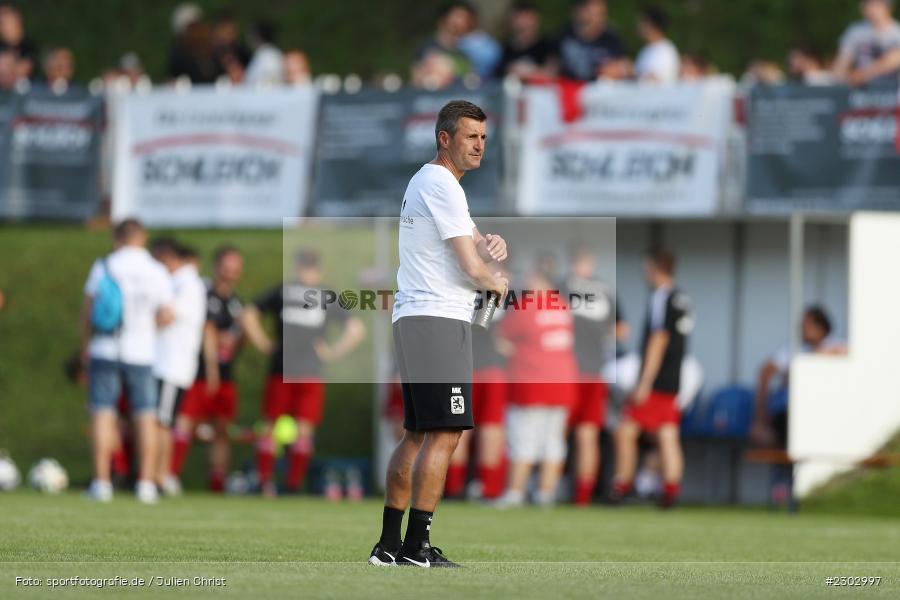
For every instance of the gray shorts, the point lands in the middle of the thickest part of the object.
(434, 356)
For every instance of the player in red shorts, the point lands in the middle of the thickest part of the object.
(595, 311)
(538, 335)
(489, 392)
(213, 397)
(653, 405)
(295, 385)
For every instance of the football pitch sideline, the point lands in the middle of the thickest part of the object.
(244, 547)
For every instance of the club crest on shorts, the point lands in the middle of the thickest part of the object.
(457, 401)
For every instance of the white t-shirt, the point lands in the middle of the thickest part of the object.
(178, 345)
(781, 358)
(430, 281)
(266, 67)
(660, 61)
(146, 287)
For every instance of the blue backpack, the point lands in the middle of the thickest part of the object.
(106, 313)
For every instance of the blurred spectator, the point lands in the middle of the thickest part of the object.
(296, 68)
(806, 67)
(191, 54)
(695, 67)
(770, 418)
(763, 72)
(231, 54)
(481, 49)
(12, 38)
(59, 67)
(267, 64)
(435, 71)
(9, 72)
(226, 41)
(526, 52)
(131, 68)
(587, 48)
(870, 49)
(443, 49)
(658, 61)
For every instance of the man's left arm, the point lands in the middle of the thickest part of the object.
(353, 334)
(491, 247)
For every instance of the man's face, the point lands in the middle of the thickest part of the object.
(309, 275)
(875, 11)
(11, 29)
(811, 332)
(456, 22)
(230, 268)
(591, 14)
(524, 24)
(466, 146)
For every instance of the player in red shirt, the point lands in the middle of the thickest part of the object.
(539, 335)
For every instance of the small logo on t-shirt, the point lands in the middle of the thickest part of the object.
(457, 402)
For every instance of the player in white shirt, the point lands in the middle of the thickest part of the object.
(443, 260)
(123, 360)
(658, 61)
(178, 348)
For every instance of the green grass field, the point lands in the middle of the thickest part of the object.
(307, 548)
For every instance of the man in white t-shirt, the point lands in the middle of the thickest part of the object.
(658, 61)
(870, 49)
(122, 360)
(177, 348)
(443, 260)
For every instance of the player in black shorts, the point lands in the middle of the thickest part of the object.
(443, 260)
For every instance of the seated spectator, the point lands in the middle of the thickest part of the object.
(12, 39)
(695, 67)
(267, 64)
(481, 49)
(806, 67)
(526, 52)
(443, 48)
(296, 68)
(191, 54)
(658, 61)
(587, 48)
(59, 68)
(770, 418)
(870, 49)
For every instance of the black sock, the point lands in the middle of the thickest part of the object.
(390, 528)
(417, 529)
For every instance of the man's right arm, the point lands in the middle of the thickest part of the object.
(474, 268)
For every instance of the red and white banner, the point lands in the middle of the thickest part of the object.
(631, 149)
(213, 157)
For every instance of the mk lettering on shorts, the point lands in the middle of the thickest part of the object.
(457, 402)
